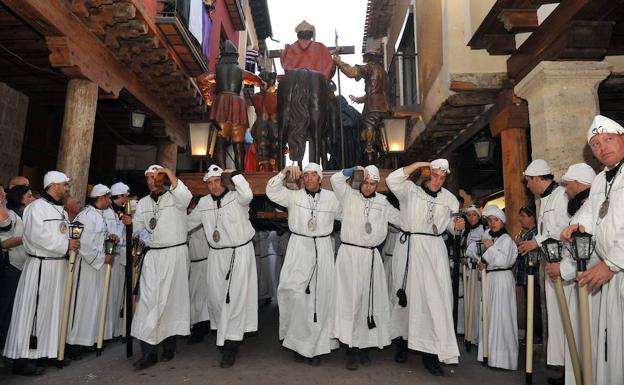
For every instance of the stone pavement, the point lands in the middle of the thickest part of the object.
(261, 361)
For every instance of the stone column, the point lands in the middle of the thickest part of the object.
(77, 134)
(563, 100)
(167, 155)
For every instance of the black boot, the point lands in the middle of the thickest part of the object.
(432, 364)
(364, 358)
(298, 357)
(169, 348)
(352, 358)
(228, 357)
(315, 361)
(239, 156)
(74, 352)
(400, 350)
(219, 153)
(149, 358)
(26, 367)
(556, 380)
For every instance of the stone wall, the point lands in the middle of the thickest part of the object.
(13, 113)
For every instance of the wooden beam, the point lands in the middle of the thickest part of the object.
(500, 44)
(519, 20)
(471, 98)
(447, 111)
(511, 116)
(468, 133)
(80, 53)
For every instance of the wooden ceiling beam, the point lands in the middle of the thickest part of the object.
(81, 54)
(519, 20)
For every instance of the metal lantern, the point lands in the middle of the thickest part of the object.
(395, 134)
(75, 230)
(480, 249)
(137, 247)
(582, 248)
(137, 121)
(110, 246)
(552, 250)
(484, 150)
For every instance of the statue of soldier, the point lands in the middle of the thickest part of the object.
(265, 130)
(376, 107)
(229, 108)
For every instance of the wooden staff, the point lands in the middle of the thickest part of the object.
(588, 378)
(75, 232)
(473, 290)
(100, 335)
(465, 295)
(529, 322)
(567, 328)
(484, 312)
(129, 304)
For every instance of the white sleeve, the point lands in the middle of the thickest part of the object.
(37, 234)
(339, 185)
(243, 190)
(567, 267)
(276, 191)
(181, 195)
(502, 253)
(91, 244)
(397, 183)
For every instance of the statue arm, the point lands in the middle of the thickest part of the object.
(249, 78)
(349, 71)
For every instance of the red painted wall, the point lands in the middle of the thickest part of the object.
(220, 21)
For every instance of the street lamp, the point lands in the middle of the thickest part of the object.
(484, 150)
(394, 137)
(137, 121)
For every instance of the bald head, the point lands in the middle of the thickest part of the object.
(19, 181)
(72, 206)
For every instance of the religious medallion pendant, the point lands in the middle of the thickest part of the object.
(216, 235)
(368, 227)
(312, 224)
(604, 208)
(152, 223)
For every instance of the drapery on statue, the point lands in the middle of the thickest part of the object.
(376, 107)
(229, 109)
(302, 94)
(264, 130)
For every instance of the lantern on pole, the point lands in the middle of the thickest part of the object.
(484, 304)
(532, 263)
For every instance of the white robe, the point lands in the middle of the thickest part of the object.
(17, 254)
(297, 309)
(609, 233)
(115, 326)
(359, 292)
(279, 243)
(264, 254)
(163, 306)
(84, 314)
(386, 252)
(231, 320)
(43, 238)
(427, 321)
(552, 218)
(474, 235)
(198, 275)
(502, 313)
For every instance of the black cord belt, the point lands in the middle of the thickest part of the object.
(405, 237)
(198, 260)
(48, 258)
(370, 320)
(501, 269)
(314, 272)
(145, 250)
(229, 274)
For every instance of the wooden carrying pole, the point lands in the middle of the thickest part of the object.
(567, 328)
(103, 305)
(583, 298)
(69, 283)
(465, 298)
(529, 323)
(129, 305)
(484, 312)
(473, 290)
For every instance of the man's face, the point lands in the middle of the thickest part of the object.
(149, 178)
(72, 206)
(608, 148)
(572, 188)
(473, 218)
(214, 185)
(526, 221)
(311, 181)
(28, 198)
(368, 187)
(437, 179)
(495, 223)
(60, 191)
(120, 200)
(533, 184)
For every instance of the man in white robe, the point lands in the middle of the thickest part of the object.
(264, 254)
(36, 319)
(474, 234)
(422, 312)
(577, 182)
(117, 220)
(498, 259)
(551, 219)
(306, 288)
(601, 215)
(232, 277)
(362, 304)
(163, 305)
(88, 285)
(198, 280)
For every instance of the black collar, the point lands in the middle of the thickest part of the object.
(575, 203)
(49, 198)
(368, 197)
(155, 196)
(118, 209)
(217, 198)
(312, 193)
(553, 185)
(609, 174)
(496, 234)
(429, 192)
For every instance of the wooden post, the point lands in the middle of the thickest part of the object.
(74, 153)
(167, 155)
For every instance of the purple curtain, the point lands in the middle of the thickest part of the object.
(206, 32)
